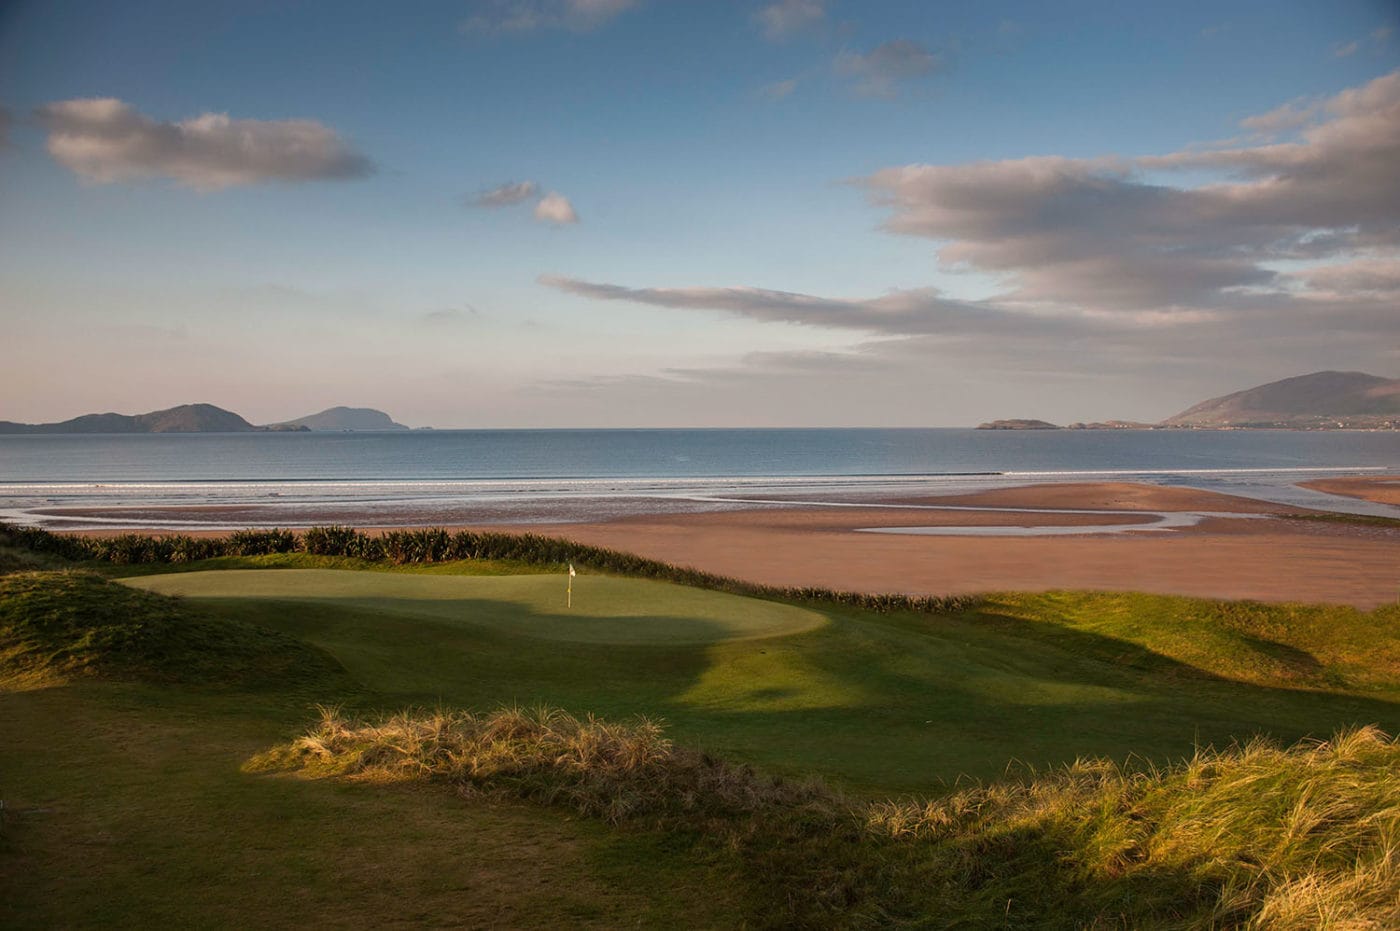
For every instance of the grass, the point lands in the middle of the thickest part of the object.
(606, 610)
(877, 702)
(127, 807)
(1022, 760)
(57, 625)
(1254, 835)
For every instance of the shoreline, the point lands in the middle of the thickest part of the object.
(1244, 550)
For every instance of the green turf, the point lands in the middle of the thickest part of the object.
(881, 703)
(604, 609)
(127, 806)
(126, 803)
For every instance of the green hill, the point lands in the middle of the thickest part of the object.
(187, 418)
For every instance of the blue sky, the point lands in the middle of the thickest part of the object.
(745, 242)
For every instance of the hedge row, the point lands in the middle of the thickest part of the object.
(436, 545)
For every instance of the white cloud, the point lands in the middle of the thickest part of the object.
(884, 69)
(505, 195)
(555, 208)
(497, 16)
(788, 17)
(104, 140)
(1345, 49)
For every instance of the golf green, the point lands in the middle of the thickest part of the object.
(605, 609)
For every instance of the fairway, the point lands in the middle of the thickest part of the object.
(605, 609)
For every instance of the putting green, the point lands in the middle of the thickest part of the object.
(605, 609)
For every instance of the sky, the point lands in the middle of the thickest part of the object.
(653, 213)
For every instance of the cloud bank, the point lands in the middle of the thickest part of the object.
(104, 140)
(1286, 259)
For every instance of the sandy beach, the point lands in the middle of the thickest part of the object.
(1271, 559)
(1382, 489)
(1245, 550)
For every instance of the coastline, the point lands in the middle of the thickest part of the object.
(1243, 550)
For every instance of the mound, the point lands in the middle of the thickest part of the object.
(56, 625)
(1254, 835)
(605, 609)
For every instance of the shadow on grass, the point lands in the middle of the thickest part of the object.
(884, 703)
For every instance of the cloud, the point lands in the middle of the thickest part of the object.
(1096, 233)
(778, 90)
(1285, 259)
(501, 16)
(1283, 119)
(1345, 49)
(104, 141)
(788, 17)
(505, 195)
(921, 311)
(555, 208)
(448, 315)
(881, 71)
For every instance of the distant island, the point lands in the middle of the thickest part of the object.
(1320, 401)
(1018, 425)
(206, 418)
(341, 419)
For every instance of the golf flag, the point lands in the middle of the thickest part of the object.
(572, 573)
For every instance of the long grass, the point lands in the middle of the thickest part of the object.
(61, 625)
(1252, 836)
(434, 545)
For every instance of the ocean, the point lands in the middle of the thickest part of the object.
(189, 481)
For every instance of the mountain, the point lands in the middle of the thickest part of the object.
(187, 418)
(1319, 400)
(345, 418)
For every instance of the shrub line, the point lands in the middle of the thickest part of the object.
(436, 545)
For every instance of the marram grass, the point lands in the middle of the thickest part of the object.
(1252, 836)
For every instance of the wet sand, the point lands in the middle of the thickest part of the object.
(1380, 489)
(1261, 557)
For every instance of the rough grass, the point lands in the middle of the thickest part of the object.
(1250, 836)
(1323, 647)
(612, 771)
(58, 625)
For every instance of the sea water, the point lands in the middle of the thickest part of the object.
(249, 479)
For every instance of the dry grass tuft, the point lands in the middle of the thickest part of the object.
(1254, 836)
(598, 768)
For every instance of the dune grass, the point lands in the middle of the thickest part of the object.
(57, 625)
(1253, 835)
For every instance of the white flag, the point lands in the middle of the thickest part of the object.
(572, 573)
